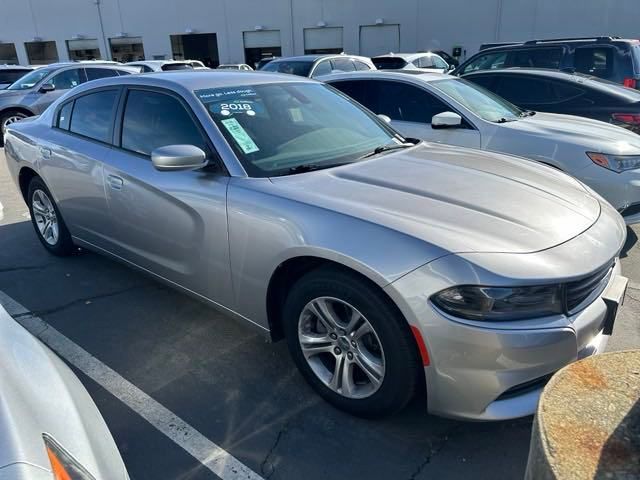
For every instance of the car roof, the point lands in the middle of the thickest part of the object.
(387, 75)
(156, 62)
(407, 56)
(541, 43)
(314, 57)
(587, 80)
(191, 80)
(14, 67)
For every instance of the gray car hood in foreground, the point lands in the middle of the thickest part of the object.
(460, 200)
(39, 394)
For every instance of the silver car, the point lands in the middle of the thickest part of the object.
(33, 93)
(49, 426)
(385, 263)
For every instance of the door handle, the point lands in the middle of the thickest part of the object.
(46, 152)
(115, 182)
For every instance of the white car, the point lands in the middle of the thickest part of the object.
(445, 109)
(197, 64)
(234, 66)
(426, 61)
(147, 66)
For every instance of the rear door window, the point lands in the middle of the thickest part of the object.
(343, 65)
(522, 90)
(596, 61)
(536, 58)
(358, 90)
(323, 68)
(93, 115)
(488, 61)
(64, 116)
(96, 73)
(361, 66)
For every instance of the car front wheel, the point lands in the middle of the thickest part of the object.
(350, 343)
(6, 119)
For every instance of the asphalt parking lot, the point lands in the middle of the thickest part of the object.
(233, 387)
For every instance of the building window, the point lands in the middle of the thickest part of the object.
(126, 49)
(196, 46)
(261, 44)
(8, 54)
(323, 40)
(83, 49)
(41, 53)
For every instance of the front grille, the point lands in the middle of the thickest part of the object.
(579, 291)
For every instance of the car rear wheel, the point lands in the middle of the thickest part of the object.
(47, 221)
(6, 119)
(351, 344)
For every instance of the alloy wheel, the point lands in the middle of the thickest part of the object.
(45, 217)
(341, 347)
(16, 117)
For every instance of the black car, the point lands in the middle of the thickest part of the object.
(611, 58)
(557, 92)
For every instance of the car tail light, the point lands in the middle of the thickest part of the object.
(630, 118)
(630, 83)
(63, 465)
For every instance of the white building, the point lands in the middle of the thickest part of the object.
(234, 31)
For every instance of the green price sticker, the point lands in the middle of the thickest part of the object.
(240, 135)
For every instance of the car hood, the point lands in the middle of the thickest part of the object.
(460, 200)
(594, 134)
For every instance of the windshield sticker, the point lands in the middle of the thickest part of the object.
(235, 107)
(213, 94)
(296, 115)
(240, 135)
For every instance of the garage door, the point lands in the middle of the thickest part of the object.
(323, 40)
(262, 39)
(379, 39)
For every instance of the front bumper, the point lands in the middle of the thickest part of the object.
(496, 371)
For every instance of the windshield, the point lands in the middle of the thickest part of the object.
(275, 128)
(483, 103)
(300, 68)
(30, 80)
(388, 63)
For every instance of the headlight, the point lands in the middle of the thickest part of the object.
(500, 304)
(617, 163)
(63, 465)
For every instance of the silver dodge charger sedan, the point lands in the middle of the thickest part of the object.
(386, 263)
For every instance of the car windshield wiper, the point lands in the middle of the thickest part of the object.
(505, 120)
(527, 113)
(386, 148)
(310, 167)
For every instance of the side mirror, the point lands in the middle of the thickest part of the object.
(384, 118)
(451, 68)
(47, 87)
(446, 120)
(178, 157)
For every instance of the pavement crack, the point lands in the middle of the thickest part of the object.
(435, 448)
(267, 469)
(83, 300)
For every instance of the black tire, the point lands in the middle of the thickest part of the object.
(64, 244)
(403, 369)
(4, 116)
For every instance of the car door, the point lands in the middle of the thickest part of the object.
(62, 82)
(411, 109)
(171, 223)
(72, 166)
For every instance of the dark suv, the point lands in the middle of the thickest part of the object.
(611, 58)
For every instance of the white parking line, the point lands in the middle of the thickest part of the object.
(215, 458)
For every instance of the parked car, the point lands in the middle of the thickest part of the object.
(49, 422)
(314, 66)
(450, 59)
(384, 262)
(557, 92)
(34, 92)
(11, 73)
(234, 66)
(411, 61)
(611, 58)
(263, 61)
(147, 66)
(197, 65)
(445, 109)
